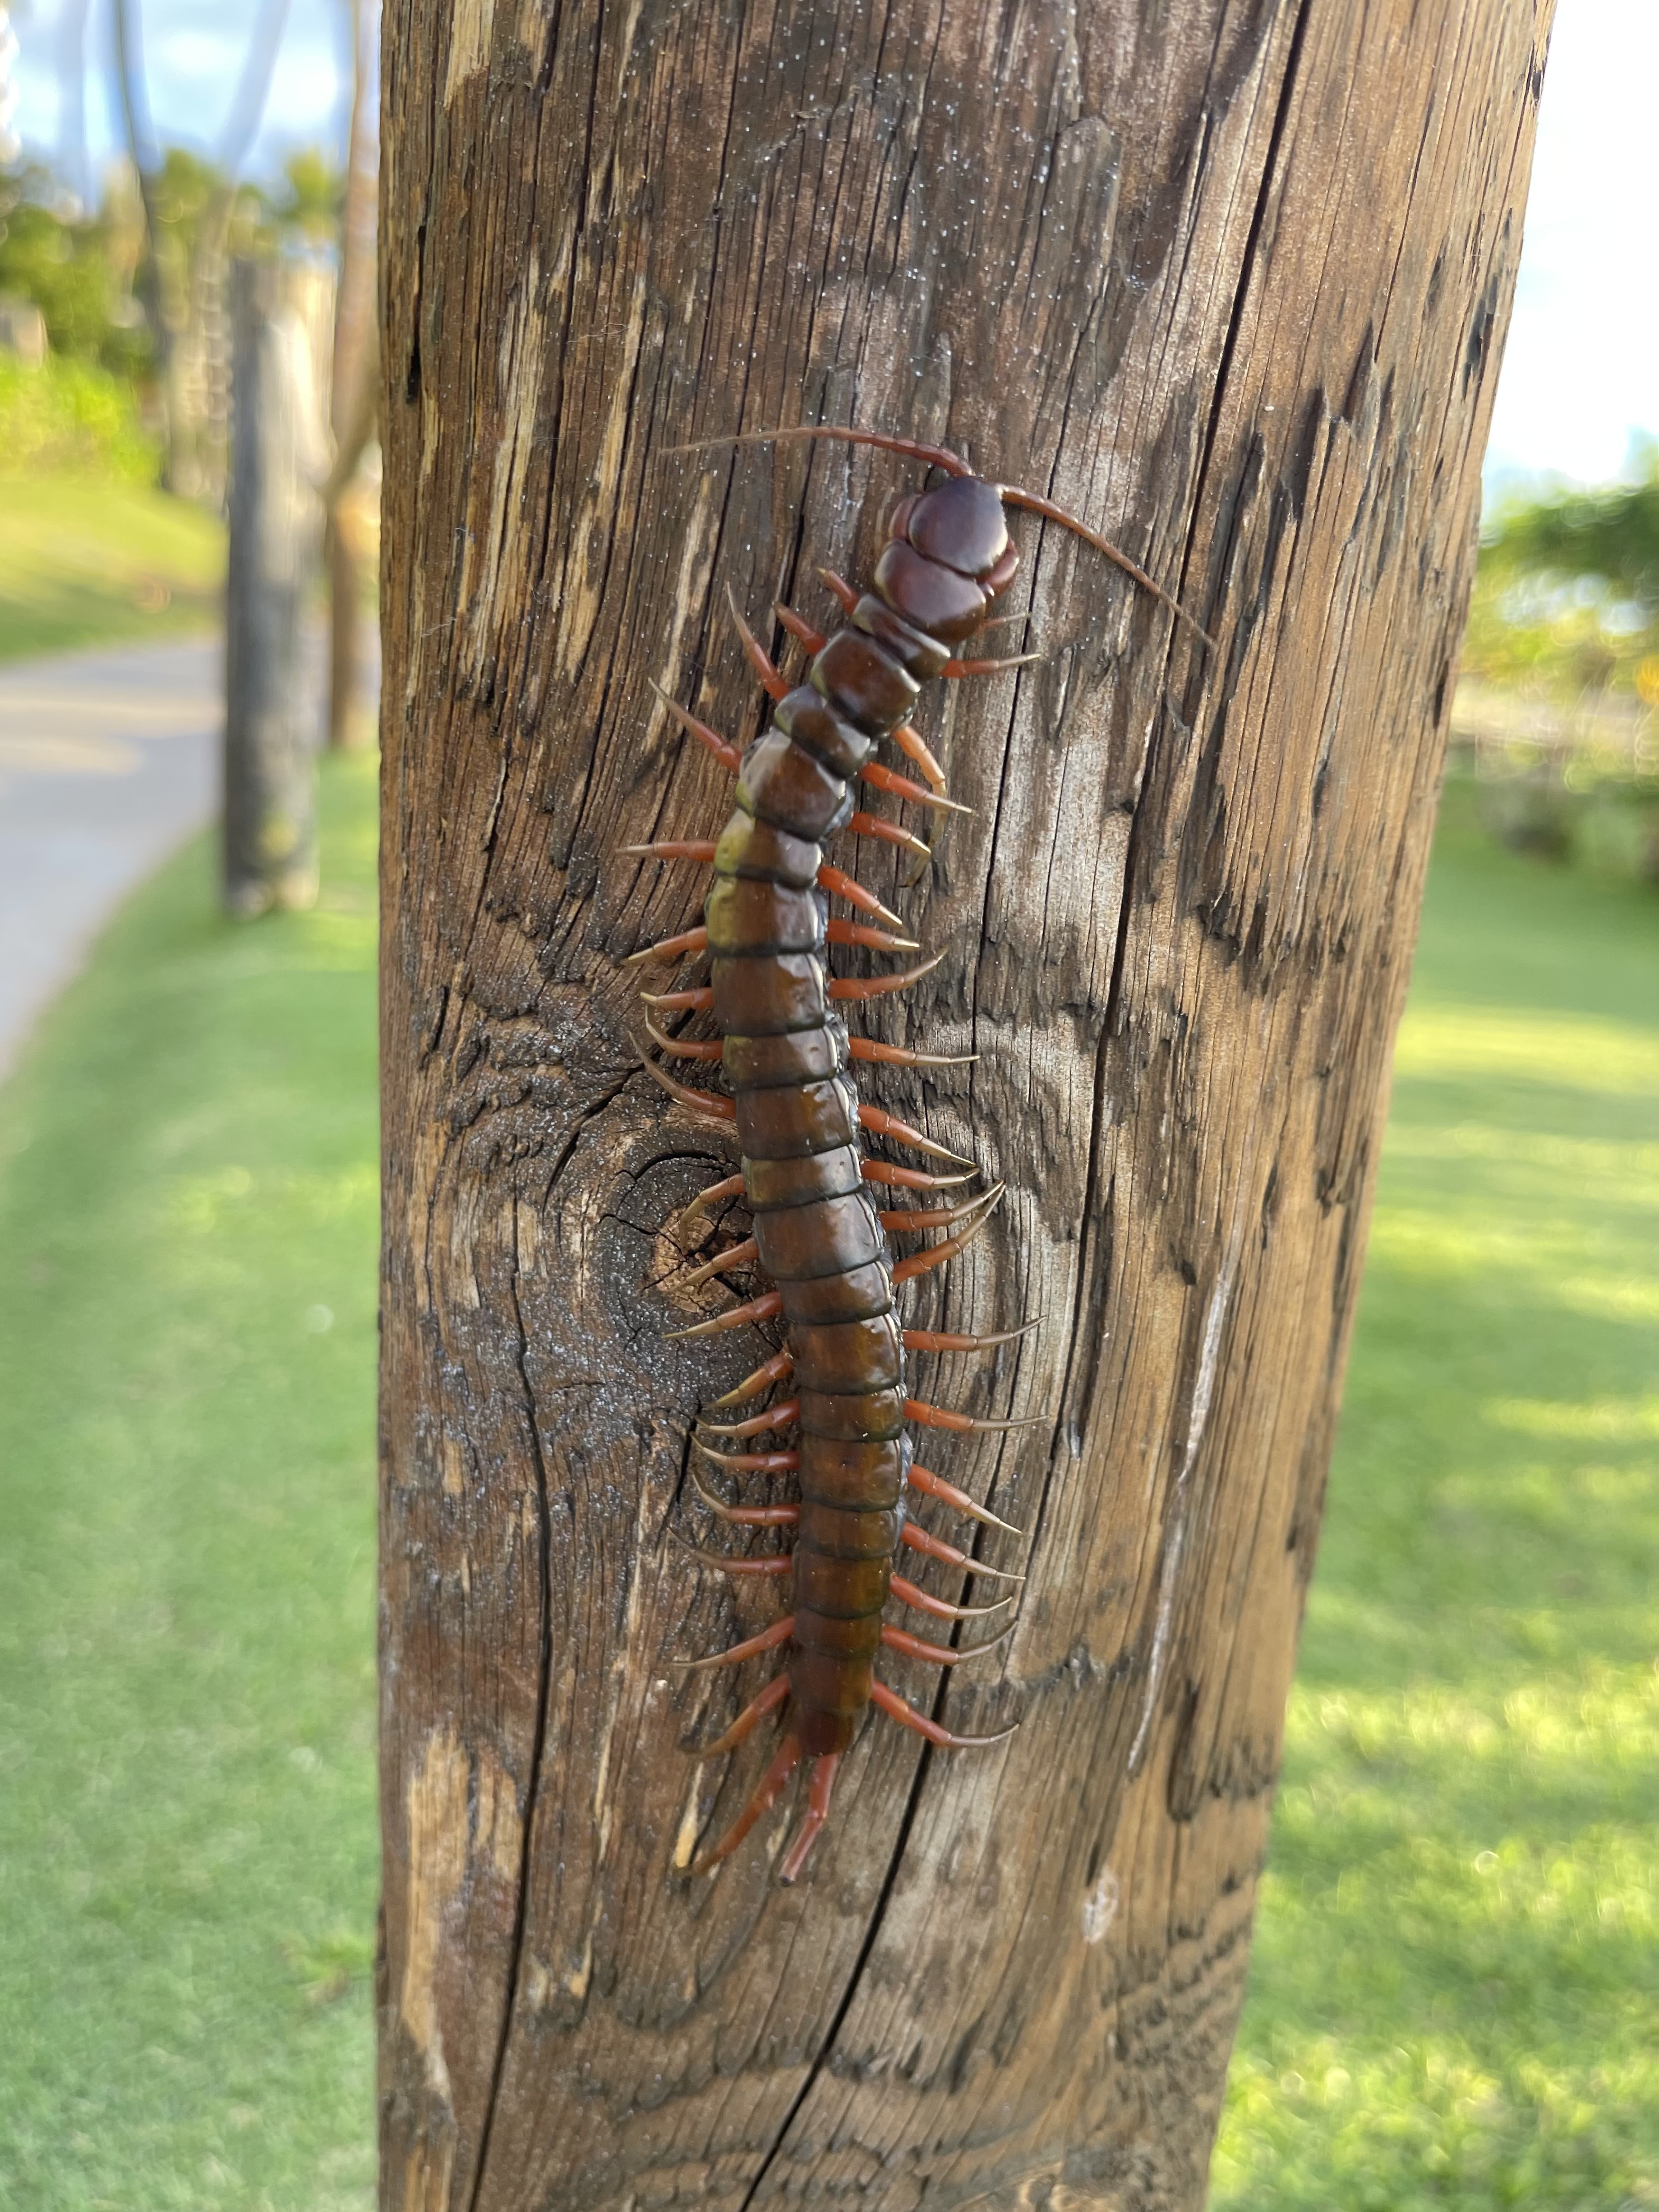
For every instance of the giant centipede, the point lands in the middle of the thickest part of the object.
(784, 1047)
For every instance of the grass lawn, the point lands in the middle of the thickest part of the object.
(1456, 1978)
(1455, 1992)
(83, 562)
(188, 1226)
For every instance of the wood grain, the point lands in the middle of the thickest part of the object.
(1230, 277)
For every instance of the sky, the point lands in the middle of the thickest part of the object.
(1581, 372)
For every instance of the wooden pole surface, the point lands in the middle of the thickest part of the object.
(269, 850)
(1229, 277)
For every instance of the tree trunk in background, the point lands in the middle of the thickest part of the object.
(356, 375)
(277, 458)
(1229, 277)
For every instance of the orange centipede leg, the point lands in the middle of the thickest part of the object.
(767, 1791)
(899, 1055)
(735, 1255)
(671, 848)
(877, 987)
(760, 1309)
(775, 1417)
(770, 1563)
(934, 1486)
(918, 1647)
(943, 1339)
(922, 1263)
(709, 1049)
(875, 941)
(701, 1101)
(892, 1704)
(910, 1593)
(768, 1640)
(934, 1548)
(697, 1001)
(910, 1178)
(670, 948)
(731, 1186)
(776, 1368)
(882, 1124)
(800, 629)
(988, 667)
(839, 588)
(749, 1719)
(886, 779)
(840, 884)
(818, 1811)
(722, 748)
(934, 1217)
(747, 1516)
(889, 833)
(779, 1463)
(911, 742)
(760, 660)
(939, 1417)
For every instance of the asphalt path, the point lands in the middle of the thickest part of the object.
(108, 761)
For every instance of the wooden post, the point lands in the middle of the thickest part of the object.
(1232, 279)
(277, 459)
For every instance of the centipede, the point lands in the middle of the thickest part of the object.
(840, 1421)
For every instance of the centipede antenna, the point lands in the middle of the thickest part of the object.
(936, 457)
(1034, 503)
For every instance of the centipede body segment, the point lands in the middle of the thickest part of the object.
(823, 1220)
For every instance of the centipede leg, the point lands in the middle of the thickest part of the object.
(918, 1647)
(775, 1417)
(700, 1102)
(920, 1263)
(774, 685)
(843, 988)
(767, 1793)
(730, 1187)
(933, 1485)
(722, 748)
(895, 1707)
(941, 1339)
(768, 1640)
(910, 1593)
(822, 1781)
(800, 629)
(934, 1548)
(781, 1365)
(749, 1719)
(760, 1309)
(898, 1055)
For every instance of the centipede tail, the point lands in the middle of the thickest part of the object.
(819, 1232)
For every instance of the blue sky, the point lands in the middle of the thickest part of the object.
(1581, 373)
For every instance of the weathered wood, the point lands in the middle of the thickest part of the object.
(1228, 276)
(277, 458)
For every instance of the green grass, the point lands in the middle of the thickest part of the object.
(86, 562)
(1454, 1989)
(1456, 1974)
(187, 1216)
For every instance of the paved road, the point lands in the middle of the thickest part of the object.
(108, 761)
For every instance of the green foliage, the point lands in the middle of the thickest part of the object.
(1611, 533)
(1456, 1966)
(70, 415)
(77, 272)
(85, 561)
(188, 1215)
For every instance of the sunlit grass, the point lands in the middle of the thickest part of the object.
(1455, 1992)
(84, 561)
(187, 1234)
